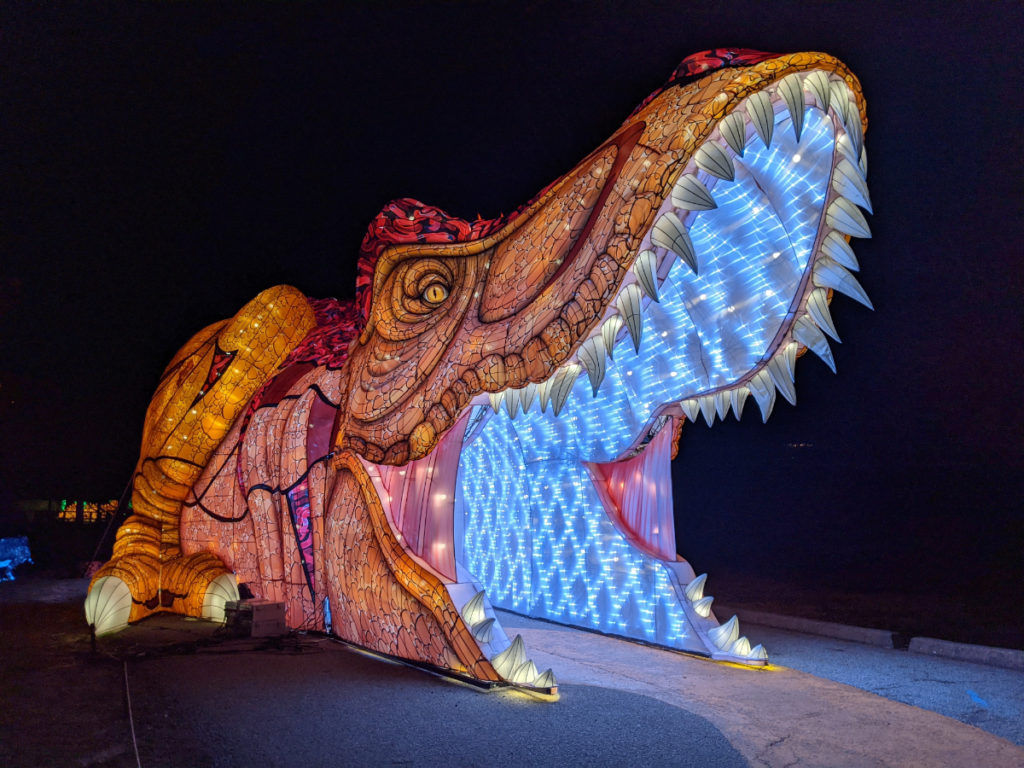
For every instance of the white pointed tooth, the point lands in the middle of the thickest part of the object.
(856, 132)
(496, 399)
(691, 408)
(817, 308)
(629, 305)
(473, 610)
(847, 181)
(592, 356)
(762, 116)
(726, 634)
(695, 589)
(763, 390)
(758, 652)
(845, 147)
(817, 84)
(862, 161)
(734, 130)
(792, 89)
(546, 679)
(646, 269)
(838, 249)
(702, 607)
(544, 394)
(707, 408)
(511, 403)
(722, 403)
(527, 395)
(690, 194)
(525, 673)
(483, 631)
(829, 274)
(562, 385)
(847, 218)
(741, 647)
(782, 368)
(669, 233)
(840, 99)
(609, 332)
(509, 660)
(808, 334)
(738, 395)
(712, 159)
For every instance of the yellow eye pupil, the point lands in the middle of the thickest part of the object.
(435, 293)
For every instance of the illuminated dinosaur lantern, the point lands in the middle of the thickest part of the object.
(491, 422)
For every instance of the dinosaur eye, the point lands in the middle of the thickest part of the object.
(435, 293)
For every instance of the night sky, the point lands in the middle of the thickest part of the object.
(161, 163)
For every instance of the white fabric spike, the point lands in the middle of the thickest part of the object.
(483, 631)
(702, 607)
(840, 99)
(646, 269)
(741, 647)
(562, 385)
(726, 634)
(808, 334)
(845, 147)
(817, 308)
(722, 403)
(495, 398)
(546, 679)
(856, 131)
(707, 408)
(738, 395)
(630, 308)
(712, 159)
(782, 369)
(762, 116)
(792, 89)
(836, 248)
(592, 355)
(691, 408)
(817, 84)
(847, 218)
(758, 652)
(525, 673)
(847, 181)
(763, 390)
(669, 233)
(695, 589)
(829, 274)
(691, 195)
(734, 130)
(509, 660)
(544, 394)
(473, 610)
(511, 403)
(610, 331)
(527, 395)
(862, 161)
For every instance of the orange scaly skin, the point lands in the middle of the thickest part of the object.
(516, 305)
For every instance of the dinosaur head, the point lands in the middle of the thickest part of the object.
(702, 240)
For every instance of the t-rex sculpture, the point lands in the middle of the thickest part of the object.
(490, 422)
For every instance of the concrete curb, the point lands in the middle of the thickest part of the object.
(880, 638)
(1006, 658)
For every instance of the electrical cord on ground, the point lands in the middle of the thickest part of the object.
(131, 720)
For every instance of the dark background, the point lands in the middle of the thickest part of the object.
(164, 162)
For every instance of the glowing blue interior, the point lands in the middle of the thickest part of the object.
(536, 533)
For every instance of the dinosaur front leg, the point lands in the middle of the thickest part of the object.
(203, 391)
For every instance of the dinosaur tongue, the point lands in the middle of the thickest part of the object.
(637, 495)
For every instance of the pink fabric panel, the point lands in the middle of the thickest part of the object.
(637, 494)
(422, 497)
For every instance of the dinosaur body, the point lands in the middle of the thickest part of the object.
(490, 423)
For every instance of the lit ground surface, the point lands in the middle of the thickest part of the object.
(308, 701)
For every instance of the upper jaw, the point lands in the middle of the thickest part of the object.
(621, 245)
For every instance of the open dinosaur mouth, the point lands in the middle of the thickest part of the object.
(559, 493)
